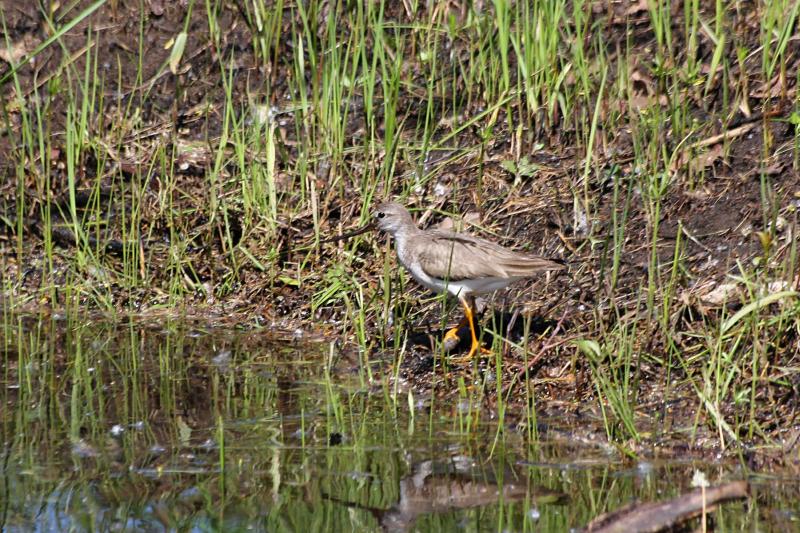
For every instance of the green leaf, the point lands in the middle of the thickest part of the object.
(526, 167)
(177, 52)
(184, 432)
(754, 306)
(590, 348)
(286, 280)
(509, 165)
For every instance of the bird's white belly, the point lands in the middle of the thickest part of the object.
(462, 287)
(478, 286)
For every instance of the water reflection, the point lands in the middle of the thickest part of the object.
(184, 427)
(442, 486)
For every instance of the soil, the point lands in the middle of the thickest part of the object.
(714, 206)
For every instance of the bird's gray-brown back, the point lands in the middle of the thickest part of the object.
(455, 256)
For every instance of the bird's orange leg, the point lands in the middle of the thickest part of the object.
(469, 315)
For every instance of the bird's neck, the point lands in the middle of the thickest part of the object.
(402, 236)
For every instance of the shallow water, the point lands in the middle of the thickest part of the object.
(123, 426)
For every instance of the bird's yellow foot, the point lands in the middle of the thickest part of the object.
(464, 359)
(451, 339)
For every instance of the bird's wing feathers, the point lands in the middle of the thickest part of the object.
(454, 256)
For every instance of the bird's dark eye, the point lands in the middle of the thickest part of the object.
(381, 214)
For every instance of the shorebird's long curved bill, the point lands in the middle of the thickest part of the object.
(349, 234)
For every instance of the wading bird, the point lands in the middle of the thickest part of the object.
(462, 265)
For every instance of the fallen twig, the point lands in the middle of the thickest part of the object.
(657, 516)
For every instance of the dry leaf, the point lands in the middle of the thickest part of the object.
(721, 294)
(17, 51)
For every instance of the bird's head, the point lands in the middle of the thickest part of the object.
(392, 217)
